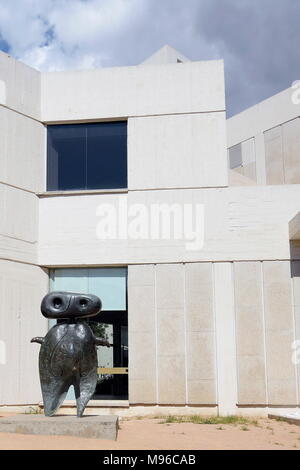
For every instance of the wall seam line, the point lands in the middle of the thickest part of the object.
(125, 117)
(18, 187)
(185, 335)
(20, 113)
(156, 334)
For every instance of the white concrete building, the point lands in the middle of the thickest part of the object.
(207, 330)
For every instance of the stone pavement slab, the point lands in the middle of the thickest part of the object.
(99, 427)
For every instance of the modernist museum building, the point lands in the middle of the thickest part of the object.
(129, 183)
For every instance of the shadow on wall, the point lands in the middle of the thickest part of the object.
(295, 258)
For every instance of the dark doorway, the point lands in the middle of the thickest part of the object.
(112, 362)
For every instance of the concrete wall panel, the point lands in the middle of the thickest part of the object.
(18, 224)
(274, 126)
(142, 334)
(279, 333)
(22, 148)
(225, 338)
(200, 334)
(22, 287)
(21, 85)
(171, 306)
(250, 333)
(133, 91)
(19, 211)
(170, 334)
(291, 151)
(177, 151)
(274, 156)
(241, 223)
(295, 268)
(265, 115)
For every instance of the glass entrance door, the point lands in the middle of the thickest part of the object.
(113, 361)
(110, 284)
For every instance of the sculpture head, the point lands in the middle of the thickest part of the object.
(61, 305)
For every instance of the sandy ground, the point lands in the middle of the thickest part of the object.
(149, 434)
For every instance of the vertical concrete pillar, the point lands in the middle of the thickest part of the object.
(225, 338)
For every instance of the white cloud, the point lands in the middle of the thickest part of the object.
(61, 34)
(21, 24)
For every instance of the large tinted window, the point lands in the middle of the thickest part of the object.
(87, 156)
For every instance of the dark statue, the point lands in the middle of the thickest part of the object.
(68, 354)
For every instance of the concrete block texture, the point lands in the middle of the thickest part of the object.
(282, 153)
(21, 224)
(18, 224)
(242, 160)
(177, 151)
(22, 149)
(171, 336)
(142, 334)
(241, 223)
(279, 330)
(22, 288)
(121, 92)
(291, 145)
(173, 312)
(21, 89)
(225, 338)
(96, 427)
(274, 156)
(274, 124)
(250, 333)
(296, 304)
(200, 333)
(266, 115)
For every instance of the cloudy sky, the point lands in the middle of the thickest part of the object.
(258, 39)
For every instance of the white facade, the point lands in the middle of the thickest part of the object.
(23, 282)
(210, 328)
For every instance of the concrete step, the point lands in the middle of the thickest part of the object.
(97, 427)
(292, 418)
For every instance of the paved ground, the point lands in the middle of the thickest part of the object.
(151, 434)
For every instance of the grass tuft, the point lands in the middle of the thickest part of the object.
(33, 410)
(195, 419)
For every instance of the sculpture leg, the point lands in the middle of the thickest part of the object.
(84, 386)
(54, 393)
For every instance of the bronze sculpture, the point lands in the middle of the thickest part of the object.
(68, 354)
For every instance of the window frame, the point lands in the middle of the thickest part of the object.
(51, 187)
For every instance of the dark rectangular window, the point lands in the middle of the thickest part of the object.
(87, 156)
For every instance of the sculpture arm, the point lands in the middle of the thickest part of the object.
(37, 339)
(101, 342)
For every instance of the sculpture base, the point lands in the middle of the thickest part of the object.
(96, 427)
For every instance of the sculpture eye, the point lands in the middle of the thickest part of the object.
(57, 302)
(83, 303)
